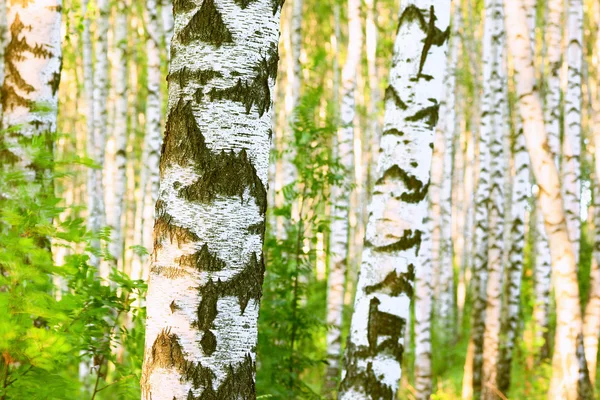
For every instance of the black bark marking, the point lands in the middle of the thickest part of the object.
(173, 306)
(384, 324)
(392, 94)
(394, 285)
(255, 92)
(164, 228)
(14, 52)
(225, 173)
(429, 114)
(245, 285)
(435, 37)
(167, 352)
(408, 240)
(206, 25)
(416, 190)
(180, 6)
(277, 4)
(244, 3)
(393, 131)
(363, 381)
(238, 384)
(203, 260)
(183, 76)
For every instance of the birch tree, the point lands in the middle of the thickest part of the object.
(372, 365)
(571, 150)
(423, 308)
(570, 378)
(207, 266)
(340, 198)
(120, 131)
(592, 309)
(32, 63)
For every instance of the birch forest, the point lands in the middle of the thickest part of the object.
(299, 199)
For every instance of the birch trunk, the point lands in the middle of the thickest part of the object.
(153, 137)
(570, 378)
(372, 366)
(571, 150)
(166, 13)
(207, 266)
(423, 309)
(592, 310)
(120, 133)
(32, 62)
(516, 250)
(494, 123)
(3, 41)
(100, 116)
(483, 241)
(340, 197)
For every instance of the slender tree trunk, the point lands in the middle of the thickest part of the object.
(100, 117)
(340, 197)
(32, 64)
(423, 308)
(207, 270)
(494, 123)
(3, 41)
(571, 150)
(591, 327)
(570, 376)
(516, 250)
(166, 13)
(484, 233)
(372, 366)
(120, 133)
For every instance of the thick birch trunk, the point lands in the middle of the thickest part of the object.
(570, 376)
(207, 270)
(32, 61)
(120, 133)
(372, 366)
(423, 308)
(340, 197)
(571, 150)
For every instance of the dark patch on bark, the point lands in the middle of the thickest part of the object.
(164, 228)
(394, 285)
(408, 240)
(244, 3)
(167, 352)
(363, 381)
(208, 343)
(384, 324)
(14, 52)
(392, 94)
(173, 306)
(245, 285)
(206, 25)
(277, 4)
(257, 229)
(180, 6)
(225, 173)
(54, 82)
(429, 114)
(183, 76)
(393, 131)
(255, 92)
(237, 385)
(202, 260)
(416, 190)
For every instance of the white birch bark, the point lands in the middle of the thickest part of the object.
(3, 41)
(423, 309)
(494, 86)
(340, 196)
(516, 249)
(591, 327)
(207, 265)
(571, 150)
(491, 61)
(570, 376)
(447, 126)
(32, 63)
(100, 117)
(120, 133)
(373, 357)
(166, 14)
